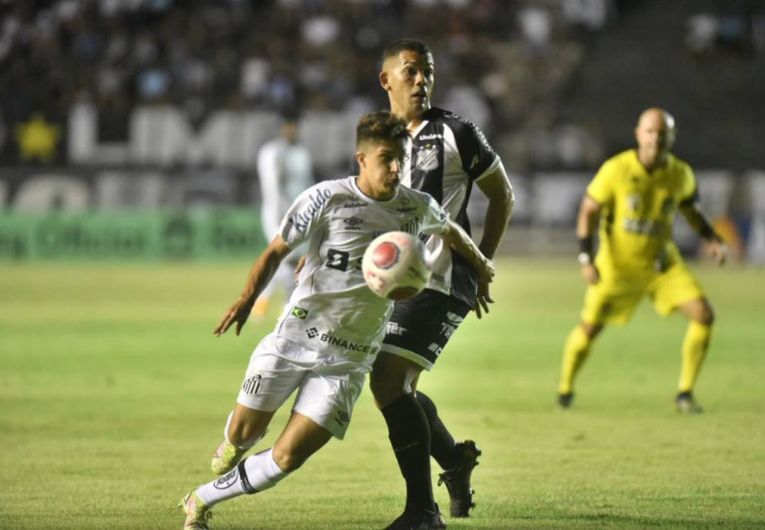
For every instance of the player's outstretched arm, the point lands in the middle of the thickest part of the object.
(497, 188)
(260, 274)
(458, 240)
(699, 222)
(586, 225)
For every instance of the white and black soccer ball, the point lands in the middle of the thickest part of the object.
(395, 267)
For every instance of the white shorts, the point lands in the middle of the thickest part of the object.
(328, 386)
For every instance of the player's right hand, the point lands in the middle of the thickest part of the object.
(590, 273)
(238, 312)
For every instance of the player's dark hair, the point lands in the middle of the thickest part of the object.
(405, 45)
(382, 126)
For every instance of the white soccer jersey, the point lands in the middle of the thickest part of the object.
(332, 310)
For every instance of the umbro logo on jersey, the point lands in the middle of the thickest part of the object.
(311, 332)
(353, 223)
(299, 312)
(342, 417)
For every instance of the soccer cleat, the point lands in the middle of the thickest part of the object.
(197, 514)
(565, 400)
(225, 457)
(686, 404)
(457, 479)
(418, 520)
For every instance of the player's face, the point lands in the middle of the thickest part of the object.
(380, 167)
(655, 135)
(408, 78)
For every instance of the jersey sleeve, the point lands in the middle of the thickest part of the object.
(476, 155)
(305, 216)
(688, 189)
(434, 218)
(601, 188)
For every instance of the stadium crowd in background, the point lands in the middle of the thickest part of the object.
(502, 63)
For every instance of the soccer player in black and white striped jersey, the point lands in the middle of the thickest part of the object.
(445, 157)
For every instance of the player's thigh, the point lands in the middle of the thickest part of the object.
(328, 394)
(270, 377)
(674, 288)
(420, 327)
(611, 302)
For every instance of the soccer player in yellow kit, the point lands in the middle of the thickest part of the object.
(634, 197)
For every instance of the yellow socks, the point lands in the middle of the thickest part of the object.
(574, 353)
(695, 346)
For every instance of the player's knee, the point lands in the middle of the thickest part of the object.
(591, 330)
(384, 389)
(706, 315)
(287, 459)
(389, 379)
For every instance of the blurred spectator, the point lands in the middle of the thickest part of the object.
(321, 55)
(284, 171)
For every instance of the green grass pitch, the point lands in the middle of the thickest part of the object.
(113, 394)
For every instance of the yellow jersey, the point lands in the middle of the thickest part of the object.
(639, 210)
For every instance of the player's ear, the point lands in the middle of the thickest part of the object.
(361, 158)
(384, 80)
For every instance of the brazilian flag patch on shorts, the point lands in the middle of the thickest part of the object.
(299, 312)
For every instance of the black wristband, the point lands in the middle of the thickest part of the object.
(585, 246)
(708, 233)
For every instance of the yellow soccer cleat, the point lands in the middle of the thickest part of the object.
(226, 456)
(197, 514)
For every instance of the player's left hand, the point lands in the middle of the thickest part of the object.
(483, 299)
(719, 252)
(238, 312)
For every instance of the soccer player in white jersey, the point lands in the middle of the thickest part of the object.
(327, 338)
(446, 156)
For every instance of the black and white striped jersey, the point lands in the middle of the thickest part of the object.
(445, 156)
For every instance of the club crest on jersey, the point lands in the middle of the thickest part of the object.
(633, 200)
(427, 158)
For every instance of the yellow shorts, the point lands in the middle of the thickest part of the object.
(615, 297)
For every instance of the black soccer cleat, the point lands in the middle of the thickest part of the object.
(565, 400)
(457, 479)
(418, 520)
(685, 404)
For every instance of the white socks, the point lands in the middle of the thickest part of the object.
(255, 473)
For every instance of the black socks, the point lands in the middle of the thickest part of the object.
(441, 441)
(409, 434)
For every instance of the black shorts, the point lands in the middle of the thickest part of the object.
(420, 327)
